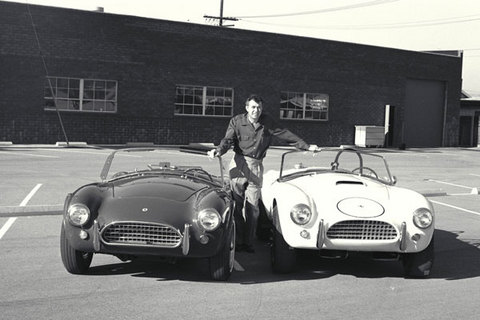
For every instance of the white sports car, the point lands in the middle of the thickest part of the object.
(341, 200)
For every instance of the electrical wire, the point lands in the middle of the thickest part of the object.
(341, 8)
(413, 24)
(46, 73)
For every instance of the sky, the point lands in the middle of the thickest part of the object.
(418, 25)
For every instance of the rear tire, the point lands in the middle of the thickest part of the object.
(221, 264)
(76, 262)
(419, 264)
(283, 257)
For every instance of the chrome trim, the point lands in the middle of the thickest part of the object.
(174, 230)
(321, 234)
(186, 240)
(96, 236)
(224, 214)
(371, 230)
(403, 236)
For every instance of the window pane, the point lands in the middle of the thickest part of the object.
(87, 105)
(193, 101)
(69, 97)
(99, 94)
(99, 105)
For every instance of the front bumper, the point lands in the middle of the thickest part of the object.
(139, 239)
(368, 238)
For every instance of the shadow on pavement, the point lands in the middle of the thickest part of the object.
(454, 260)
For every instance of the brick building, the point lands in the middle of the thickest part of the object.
(114, 79)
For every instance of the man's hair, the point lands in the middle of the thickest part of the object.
(255, 98)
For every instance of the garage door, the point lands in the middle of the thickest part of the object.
(424, 109)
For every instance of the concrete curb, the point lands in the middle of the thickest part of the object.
(41, 210)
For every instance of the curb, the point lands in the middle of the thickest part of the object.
(16, 211)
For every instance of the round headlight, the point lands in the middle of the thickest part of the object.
(301, 214)
(209, 219)
(422, 218)
(78, 214)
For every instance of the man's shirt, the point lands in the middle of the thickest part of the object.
(252, 141)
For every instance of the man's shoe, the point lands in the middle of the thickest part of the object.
(249, 249)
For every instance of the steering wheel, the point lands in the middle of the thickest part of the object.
(370, 172)
(198, 170)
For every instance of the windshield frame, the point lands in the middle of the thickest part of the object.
(193, 150)
(390, 179)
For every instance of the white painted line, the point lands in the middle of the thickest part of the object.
(450, 184)
(10, 221)
(237, 266)
(473, 174)
(28, 154)
(6, 226)
(30, 195)
(455, 207)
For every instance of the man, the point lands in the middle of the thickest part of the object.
(251, 134)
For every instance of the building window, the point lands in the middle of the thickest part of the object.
(304, 106)
(87, 95)
(203, 101)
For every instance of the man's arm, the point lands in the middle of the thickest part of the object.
(289, 137)
(227, 142)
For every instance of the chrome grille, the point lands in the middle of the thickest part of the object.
(134, 233)
(362, 230)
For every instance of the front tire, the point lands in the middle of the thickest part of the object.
(419, 264)
(221, 264)
(76, 262)
(283, 257)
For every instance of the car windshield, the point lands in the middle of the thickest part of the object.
(348, 161)
(186, 162)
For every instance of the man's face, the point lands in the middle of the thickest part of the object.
(254, 110)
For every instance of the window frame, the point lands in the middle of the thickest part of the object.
(323, 112)
(69, 101)
(204, 106)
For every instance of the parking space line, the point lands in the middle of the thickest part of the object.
(10, 221)
(6, 226)
(455, 207)
(450, 184)
(30, 195)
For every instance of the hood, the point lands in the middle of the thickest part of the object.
(170, 188)
(352, 195)
(169, 200)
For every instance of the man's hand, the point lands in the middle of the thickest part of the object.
(314, 148)
(212, 153)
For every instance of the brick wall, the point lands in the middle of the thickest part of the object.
(149, 57)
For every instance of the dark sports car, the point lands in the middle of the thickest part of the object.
(166, 202)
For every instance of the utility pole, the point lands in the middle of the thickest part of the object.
(221, 18)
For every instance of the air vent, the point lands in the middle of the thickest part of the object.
(349, 182)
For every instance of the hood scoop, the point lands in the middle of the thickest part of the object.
(349, 182)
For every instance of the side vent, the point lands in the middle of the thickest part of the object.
(349, 182)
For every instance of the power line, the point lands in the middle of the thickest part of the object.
(347, 7)
(413, 24)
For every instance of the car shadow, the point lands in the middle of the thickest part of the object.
(455, 259)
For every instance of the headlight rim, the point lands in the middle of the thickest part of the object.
(295, 218)
(201, 215)
(417, 215)
(78, 206)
